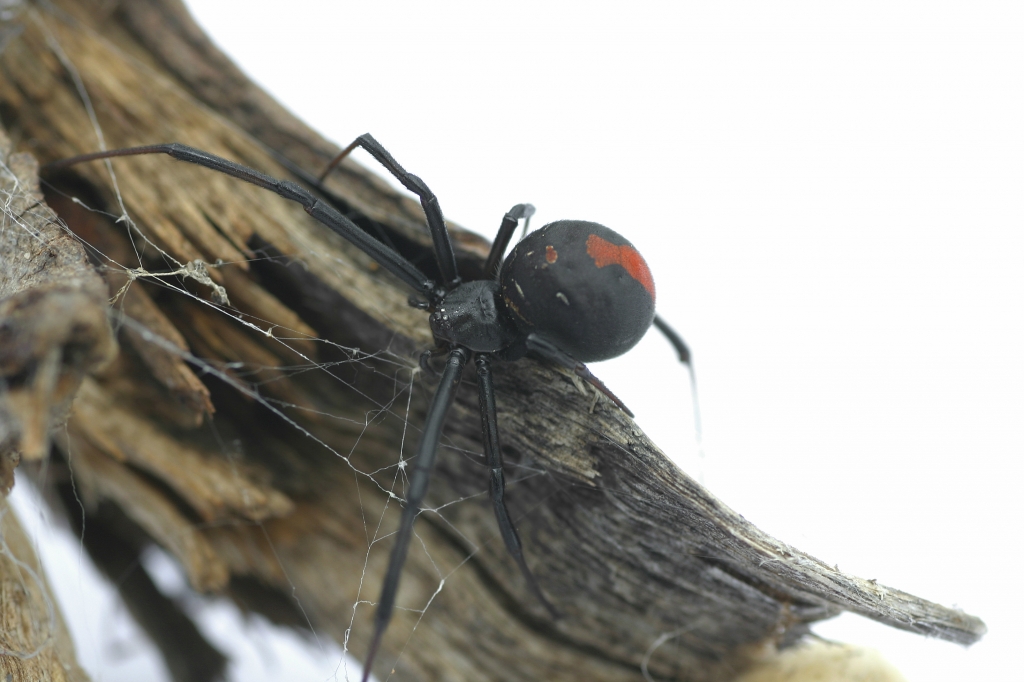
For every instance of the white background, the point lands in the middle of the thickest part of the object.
(830, 199)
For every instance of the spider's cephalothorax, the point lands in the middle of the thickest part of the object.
(571, 292)
(474, 316)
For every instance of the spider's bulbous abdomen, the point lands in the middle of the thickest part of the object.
(473, 315)
(582, 286)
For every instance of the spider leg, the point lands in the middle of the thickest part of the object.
(492, 447)
(505, 232)
(337, 159)
(684, 357)
(321, 211)
(336, 200)
(443, 248)
(677, 341)
(419, 479)
(556, 356)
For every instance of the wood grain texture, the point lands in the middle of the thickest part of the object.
(53, 332)
(34, 641)
(257, 442)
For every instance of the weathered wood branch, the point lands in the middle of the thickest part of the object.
(34, 642)
(53, 331)
(242, 438)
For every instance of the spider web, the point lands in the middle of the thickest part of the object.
(397, 383)
(248, 380)
(374, 398)
(392, 407)
(238, 377)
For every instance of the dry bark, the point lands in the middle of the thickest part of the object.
(53, 332)
(238, 439)
(34, 642)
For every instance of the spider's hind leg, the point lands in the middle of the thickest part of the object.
(548, 351)
(686, 358)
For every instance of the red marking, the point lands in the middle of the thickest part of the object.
(550, 254)
(605, 253)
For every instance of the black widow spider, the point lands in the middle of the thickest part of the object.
(569, 293)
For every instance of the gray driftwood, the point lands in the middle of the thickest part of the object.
(646, 566)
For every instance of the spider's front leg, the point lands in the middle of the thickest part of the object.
(443, 249)
(537, 344)
(321, 211)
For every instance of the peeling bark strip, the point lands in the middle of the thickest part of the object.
(239, 440)
(34, 642)
(53, 316)
(53, 330)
